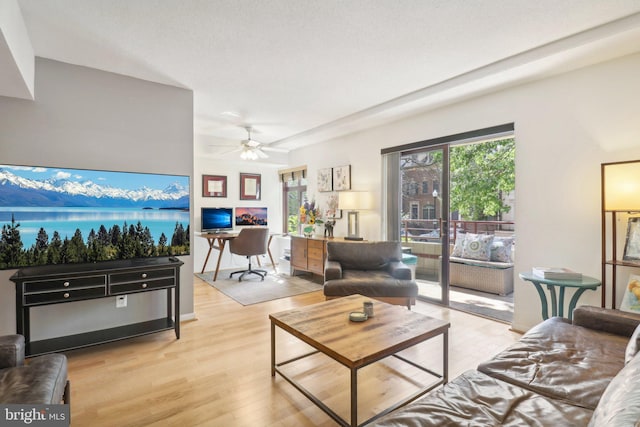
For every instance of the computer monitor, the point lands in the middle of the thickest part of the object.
(251, 216)
(217, 219)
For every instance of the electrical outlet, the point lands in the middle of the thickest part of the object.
(121, 301)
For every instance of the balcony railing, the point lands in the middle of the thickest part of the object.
(428, 230)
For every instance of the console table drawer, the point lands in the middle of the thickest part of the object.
(141, 275)
(316, 266)
(65, 296)
(64, 283)
(141, 286)
(316, 244)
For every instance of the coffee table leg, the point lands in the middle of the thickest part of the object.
(273, 349)
(354, 397)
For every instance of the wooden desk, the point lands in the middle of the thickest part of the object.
(219, 241)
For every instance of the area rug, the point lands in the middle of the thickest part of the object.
(253, 290)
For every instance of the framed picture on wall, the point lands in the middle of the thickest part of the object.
(632, 245)
(325, 179)
(250, 186)
(332, 211)
(342, 178)
(214, 186)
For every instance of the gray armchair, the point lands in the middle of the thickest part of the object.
(373, 269)
(250, 242)
(42, 381)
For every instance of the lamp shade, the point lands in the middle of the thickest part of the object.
(354, 200)
(621, 183)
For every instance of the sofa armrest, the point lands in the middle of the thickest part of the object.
(332, 270)
(399, 270)
(11, 351)
(606, 320)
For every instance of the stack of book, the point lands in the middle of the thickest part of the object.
(556, 273)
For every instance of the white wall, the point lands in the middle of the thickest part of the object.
(86, 118)
(565, 126)
(271, 198)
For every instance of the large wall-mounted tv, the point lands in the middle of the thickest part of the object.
(57, 216)
(251, 216)
(216, 219)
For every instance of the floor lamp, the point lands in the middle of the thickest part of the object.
(353, 201)
(620, 197)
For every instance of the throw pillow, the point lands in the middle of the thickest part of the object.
(631, 298)
(501, 249)
(477, 246)
(633, 346)
(457, 248)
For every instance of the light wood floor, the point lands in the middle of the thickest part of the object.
(218, 373)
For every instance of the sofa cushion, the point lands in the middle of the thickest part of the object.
(42, 381)
(606, 320)
(620, 403)
(561, 361)
(475, 399)
(371, 284)
(633, 346)
(11, 351)
(364, 256)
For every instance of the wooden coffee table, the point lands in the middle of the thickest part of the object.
(327, 328)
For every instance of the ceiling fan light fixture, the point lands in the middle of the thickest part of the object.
(248, 154)
(251, 149)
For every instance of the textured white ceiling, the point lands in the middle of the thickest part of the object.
(301, 70)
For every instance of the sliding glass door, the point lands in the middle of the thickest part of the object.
(425, 211)
(424, 216)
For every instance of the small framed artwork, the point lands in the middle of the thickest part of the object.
(342, 178)
(214, 186)
(632, 245)
(332, 211)
(249, 186)
(325, 179)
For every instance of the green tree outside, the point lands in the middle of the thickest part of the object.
(481, 175)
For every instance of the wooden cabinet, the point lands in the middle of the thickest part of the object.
(308, 254)
(59, 284)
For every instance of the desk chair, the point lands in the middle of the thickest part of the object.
(250, 242)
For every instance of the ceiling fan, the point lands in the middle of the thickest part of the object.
(251, 149)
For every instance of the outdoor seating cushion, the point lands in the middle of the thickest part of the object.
(478, 263)
(475, 399)
(561, 361)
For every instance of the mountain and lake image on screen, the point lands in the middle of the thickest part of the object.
(58, 216)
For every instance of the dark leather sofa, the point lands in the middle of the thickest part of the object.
(558, 374)
(373, 269)
(42, 381)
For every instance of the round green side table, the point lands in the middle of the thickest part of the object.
(557, 305)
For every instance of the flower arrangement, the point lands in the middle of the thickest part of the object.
(310, 216)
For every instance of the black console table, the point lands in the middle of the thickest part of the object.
(59, 284)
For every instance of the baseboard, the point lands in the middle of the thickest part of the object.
(187, 317)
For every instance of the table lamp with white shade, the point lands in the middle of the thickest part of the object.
(353, 201)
